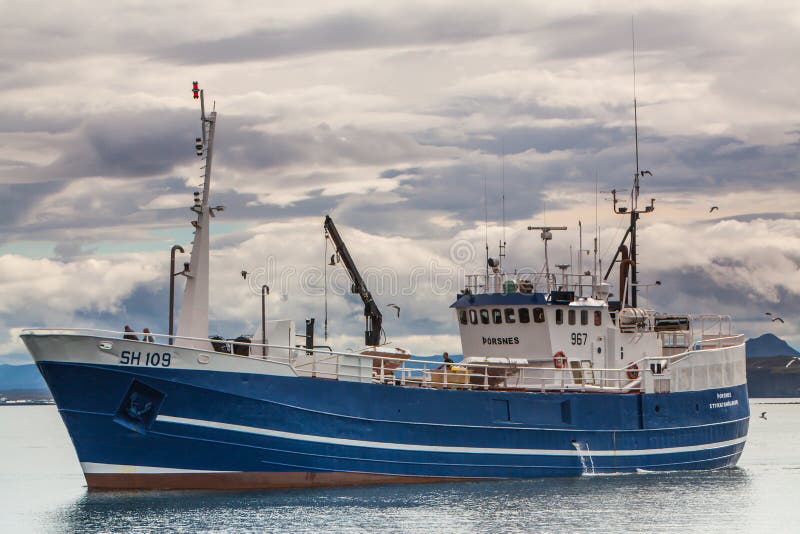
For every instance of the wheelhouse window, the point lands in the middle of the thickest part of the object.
(571, 317)
(584, 317)
(598, 318)
(524, 315)
(559, 316)
(462, 316)
(497, 316)
(510, 315)
(485, 316)
(538, 315)
(473, 317)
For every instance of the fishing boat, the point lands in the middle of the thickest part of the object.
(557, 379)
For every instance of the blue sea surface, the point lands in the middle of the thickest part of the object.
(42, 490)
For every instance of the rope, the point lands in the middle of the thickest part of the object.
(325, 270)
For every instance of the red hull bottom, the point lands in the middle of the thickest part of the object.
(233, 481)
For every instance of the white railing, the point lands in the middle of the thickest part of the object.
(526, 282)
(409, 371)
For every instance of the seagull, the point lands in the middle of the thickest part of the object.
(395, 306)
(764, 416)
(713, 208)
(793, 360)
(776, 318)
(646, 172)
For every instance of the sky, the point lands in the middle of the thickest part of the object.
(408, 123)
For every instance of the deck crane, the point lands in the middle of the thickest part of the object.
(373, 316)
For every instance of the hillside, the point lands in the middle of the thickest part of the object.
(767, 346)
(20, 377)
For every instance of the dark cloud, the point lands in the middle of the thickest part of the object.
(394, 173)
(342, 31)
(18, 121)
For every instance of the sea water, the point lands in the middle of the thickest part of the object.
(42, 490)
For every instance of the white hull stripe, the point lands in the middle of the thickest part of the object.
(93, 468)
(438, 448)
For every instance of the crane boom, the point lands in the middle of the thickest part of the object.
(372, 314)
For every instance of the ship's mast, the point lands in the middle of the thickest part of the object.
(193, 320)
(633, 209)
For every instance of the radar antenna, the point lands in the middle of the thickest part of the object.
(546, 235)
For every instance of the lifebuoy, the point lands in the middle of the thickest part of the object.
(560, 359)
(632, 371)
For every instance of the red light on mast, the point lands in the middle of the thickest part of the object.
(195, 90)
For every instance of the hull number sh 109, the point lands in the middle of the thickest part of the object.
(147, 359)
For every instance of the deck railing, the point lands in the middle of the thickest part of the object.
(528, 282)
(511, 375)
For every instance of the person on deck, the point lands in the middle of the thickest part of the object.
(147, 336)
(448, 363)
(129, 334)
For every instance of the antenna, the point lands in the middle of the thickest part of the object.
(580, 257)
(596, 223)
(486, 229)
(635, 117)
(632, 210)
(546, 235)
(503, 196)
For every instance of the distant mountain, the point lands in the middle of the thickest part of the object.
(768, 345)
(20, 377)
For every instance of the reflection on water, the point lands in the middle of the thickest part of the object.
(41, 489)
(595, 503)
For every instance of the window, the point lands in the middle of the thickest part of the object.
(584, 317)
(538, 315)
(524, 315)
(598, 318)
(473, 317)
(571, 316)
(485, 316)
(497, 316)
(510, 316)
(462, 316)
(559, 316)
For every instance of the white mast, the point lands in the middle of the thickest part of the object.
(193, 320)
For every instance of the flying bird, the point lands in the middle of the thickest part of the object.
(395, 306)
(764, 416)
(713, 208)
(646, 172)
(776, 318)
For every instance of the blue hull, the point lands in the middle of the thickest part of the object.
(218, 429)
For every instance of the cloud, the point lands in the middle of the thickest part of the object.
(391, 117)
(347, 30)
